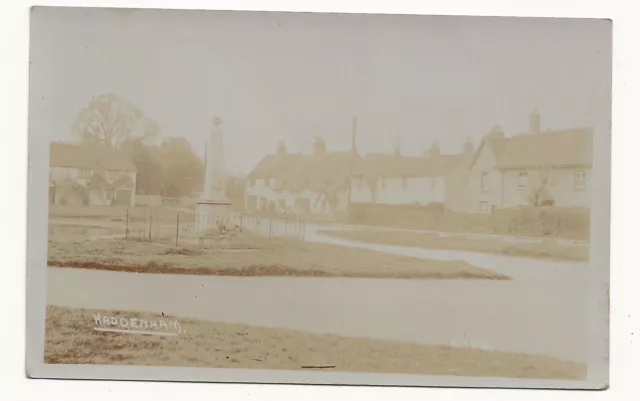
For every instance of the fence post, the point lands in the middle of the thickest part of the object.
(150, 228)
(126, 226)
(177, 227)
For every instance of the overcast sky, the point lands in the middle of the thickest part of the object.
(285, 76)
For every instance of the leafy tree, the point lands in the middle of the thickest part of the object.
(183, 170)
(150, 174)
(111, 120)
(235, 188)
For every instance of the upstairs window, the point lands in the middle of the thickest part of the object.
(113, 175)
(580, 179)
(85, 173)
(484, 182)
(523, 180)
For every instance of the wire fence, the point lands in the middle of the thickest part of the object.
(233, 229)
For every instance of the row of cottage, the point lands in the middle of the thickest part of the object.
(550, 168)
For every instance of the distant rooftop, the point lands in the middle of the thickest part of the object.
(561, 148)
(63, 154)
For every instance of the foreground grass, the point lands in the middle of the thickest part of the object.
(543, 249)
(70, 339)
(277, 258)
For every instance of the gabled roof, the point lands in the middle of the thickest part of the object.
(393, 165)
(564, 148)
(89, 156)
(300, 171)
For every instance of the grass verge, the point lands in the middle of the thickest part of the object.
(279, 258)
(70, 338)
(544, 249)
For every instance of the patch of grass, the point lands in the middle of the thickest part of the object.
(70, 339)
(546, 249)
(277, 258)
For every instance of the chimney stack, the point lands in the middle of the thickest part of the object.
(434, 151)
(534, 122)
(319, 147)
(496, 132)
(467, 148)
(282, 149)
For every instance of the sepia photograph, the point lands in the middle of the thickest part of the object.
(279, 197)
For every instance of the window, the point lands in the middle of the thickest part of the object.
(433, 183)
(113, 175)
(404, 182)
(383, 183)
(483, 207)
(111, 194)
(282, 204)
(358, 182)
(265, 182)
(85, 173)
(484, 182)
(580, 179)
(252, 182)
(523, 180)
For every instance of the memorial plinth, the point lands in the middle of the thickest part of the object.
(213, 209)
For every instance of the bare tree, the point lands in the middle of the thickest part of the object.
(538, 193)
(111, 120)
(330, 194)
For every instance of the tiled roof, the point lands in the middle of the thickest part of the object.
(571, 147)
(89, 156)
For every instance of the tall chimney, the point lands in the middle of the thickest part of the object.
(534, 122)
(354, 149)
